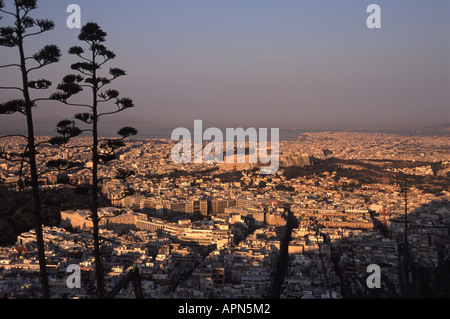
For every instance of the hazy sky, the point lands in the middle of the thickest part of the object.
(267, 63)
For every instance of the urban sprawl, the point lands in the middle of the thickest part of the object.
(214, 230)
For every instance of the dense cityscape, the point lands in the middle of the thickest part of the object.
(223, 158)
(225, 231)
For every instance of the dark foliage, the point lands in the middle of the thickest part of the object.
(16, 210)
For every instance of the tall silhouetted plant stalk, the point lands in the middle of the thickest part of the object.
(91, 62)
(14, 37)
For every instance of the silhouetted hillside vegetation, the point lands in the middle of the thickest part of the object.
(16, 210)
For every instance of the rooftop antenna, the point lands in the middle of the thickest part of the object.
(404, 190)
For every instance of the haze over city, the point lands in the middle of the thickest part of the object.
(296, 64)
(264, 150)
